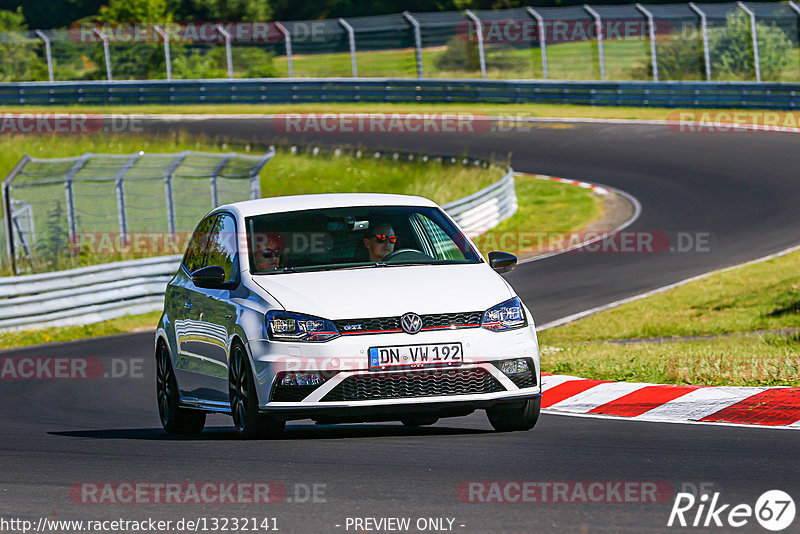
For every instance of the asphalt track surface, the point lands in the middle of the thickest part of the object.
(742, 189)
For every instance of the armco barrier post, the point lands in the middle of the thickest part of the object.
(228, 54)
(479, 29)
(287, 39)
(704, 30)
(351, 37)
(598, 24)
(106, 52)
(48, 53)
(542, 37)
(167, 58)
(652, 35)
(417, 41)
(754, 36)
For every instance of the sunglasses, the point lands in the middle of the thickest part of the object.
(382, 238)
(269, 253)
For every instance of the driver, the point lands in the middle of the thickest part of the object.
(380, 241)
(268, 252)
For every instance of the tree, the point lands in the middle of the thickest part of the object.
(20, 60)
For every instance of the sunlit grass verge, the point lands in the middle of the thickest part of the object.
(523, 110)
(757, 297)
(759, 360)
(120, 325)
(546, 209)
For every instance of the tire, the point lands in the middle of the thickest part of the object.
(515, 418)
(415, 421)
(174, 419)
(247, 420)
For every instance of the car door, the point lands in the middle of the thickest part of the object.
(215, 314)
(183, 299)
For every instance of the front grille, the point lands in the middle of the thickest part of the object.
(523, 380)
(409, 384)
(291, 393)
(386, 325)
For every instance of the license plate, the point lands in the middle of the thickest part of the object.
(432, 354)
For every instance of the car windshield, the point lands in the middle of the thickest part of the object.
(354, 237)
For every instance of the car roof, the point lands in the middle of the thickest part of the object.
(262, 206)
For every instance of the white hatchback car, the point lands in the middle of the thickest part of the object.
(342, 308)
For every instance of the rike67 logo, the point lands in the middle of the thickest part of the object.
(774, 510)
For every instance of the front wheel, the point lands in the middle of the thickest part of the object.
(174, 419)
(515, 417)
(247, 420)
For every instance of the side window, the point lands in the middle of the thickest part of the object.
(222, 246)
(444, 247)
(193, 259)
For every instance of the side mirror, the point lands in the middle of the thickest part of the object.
(502, 262)
(211, 277)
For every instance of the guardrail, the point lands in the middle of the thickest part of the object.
(101, 292)
(283, 91)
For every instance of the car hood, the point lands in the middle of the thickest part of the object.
(388, 291)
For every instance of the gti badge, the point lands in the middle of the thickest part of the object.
(411, 323)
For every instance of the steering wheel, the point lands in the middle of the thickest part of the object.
(412, 252)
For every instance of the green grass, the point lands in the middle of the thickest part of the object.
(120, 325)
(545, 208)
(762, 296)
(510, 111)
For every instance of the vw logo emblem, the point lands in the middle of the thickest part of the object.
(411, 323)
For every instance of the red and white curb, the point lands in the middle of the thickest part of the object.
(775, 407)
(599, 189)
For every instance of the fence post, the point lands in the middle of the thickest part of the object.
(72, 219)
(47, 52)
(169, 197)
(6, 192)
(542, 38)
(417, 41)
(255, 184)
(704, 28)
(351, 36)
(598, 24)
(652, 33)
(754, 35)
(165, 36)
(106, 52)
(287, 39)
(228, 54)
(478, 26)
(214, 174)
(119, 180)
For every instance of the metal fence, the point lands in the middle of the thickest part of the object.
(65, 208)
(719, 41)
(101, 292)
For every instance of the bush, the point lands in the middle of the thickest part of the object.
(461, 54)
(731, 51)
(20, 61)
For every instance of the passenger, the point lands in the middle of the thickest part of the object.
(269, 253)
(380, 241)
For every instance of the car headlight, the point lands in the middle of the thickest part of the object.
(506, 316)
(289, 326)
